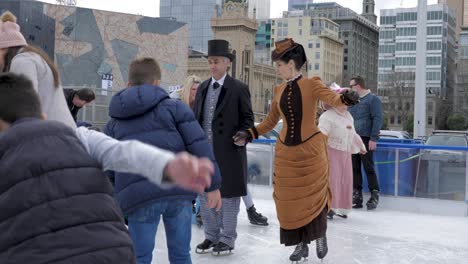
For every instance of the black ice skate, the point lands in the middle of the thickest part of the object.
(357, 198)
(373, 200)
(222, 249)
(330, 214)
(256, 218)
(322, 247)
(342, 215)
(301, 251)
(204, 246)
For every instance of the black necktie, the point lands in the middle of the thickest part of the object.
(216, 85)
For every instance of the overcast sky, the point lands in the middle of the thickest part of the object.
(151, 7)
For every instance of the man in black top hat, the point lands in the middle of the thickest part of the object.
(222, 106)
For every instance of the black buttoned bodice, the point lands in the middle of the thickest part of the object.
(291, 106)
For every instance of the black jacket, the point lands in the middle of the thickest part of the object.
(69, 94)
(233, 113)
(56, 204)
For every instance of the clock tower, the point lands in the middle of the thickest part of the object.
(239, 30)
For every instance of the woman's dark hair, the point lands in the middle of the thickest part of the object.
(13, 51)
(297, 55)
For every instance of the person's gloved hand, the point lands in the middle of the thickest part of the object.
(350, 97)
(241, 138)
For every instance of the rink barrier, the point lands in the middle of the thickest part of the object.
(396, 161)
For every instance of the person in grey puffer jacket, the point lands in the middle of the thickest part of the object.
(367, 122)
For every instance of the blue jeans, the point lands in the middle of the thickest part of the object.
(143, 224)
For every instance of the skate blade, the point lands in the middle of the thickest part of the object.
(202, 251)
(222, 253)
(259, 224)
(305, 260)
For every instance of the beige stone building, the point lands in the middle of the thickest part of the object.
(239, 30)
(320, 39)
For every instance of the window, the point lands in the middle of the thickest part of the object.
(433, 60)
(429, 120)
(433, 76)
(399, 120)
(392, 119)
(434, 30)
(430, 107)
(317, 55)
(300, 22)
(434, 45)
(311, 45)
(317, 66)
(317, 45)
(300, 32)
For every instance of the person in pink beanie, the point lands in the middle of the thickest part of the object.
(18, 57)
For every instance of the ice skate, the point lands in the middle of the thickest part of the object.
(322, 247)
(256, 218)
(222, 249)
(204, 246)
(301, 251)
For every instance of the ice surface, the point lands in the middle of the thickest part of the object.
(380, 236)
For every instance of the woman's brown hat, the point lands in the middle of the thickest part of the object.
(287, 45)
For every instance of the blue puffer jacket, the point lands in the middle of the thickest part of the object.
(146, 113)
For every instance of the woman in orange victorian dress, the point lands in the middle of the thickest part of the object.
(301, 182)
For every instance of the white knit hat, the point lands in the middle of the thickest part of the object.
(10, 35)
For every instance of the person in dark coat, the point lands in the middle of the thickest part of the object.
(222, 106)
(78, 99)
(145, 112)
(57, 205)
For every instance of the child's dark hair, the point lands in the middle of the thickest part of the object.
(18, 99)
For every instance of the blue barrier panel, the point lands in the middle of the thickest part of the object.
(385, 159)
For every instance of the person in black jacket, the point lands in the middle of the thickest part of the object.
(223, 108)
(57, 205)
(78, 99)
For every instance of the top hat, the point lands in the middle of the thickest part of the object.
(219, 47)
(284, 46)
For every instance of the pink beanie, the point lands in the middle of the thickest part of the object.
(10, 35)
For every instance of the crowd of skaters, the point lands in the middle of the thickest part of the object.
(162, 152)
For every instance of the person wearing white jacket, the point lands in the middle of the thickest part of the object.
(338, 125)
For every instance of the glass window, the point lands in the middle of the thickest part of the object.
(317, 66)
(317, 45)
(317, 55)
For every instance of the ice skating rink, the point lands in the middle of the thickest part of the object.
(376, 237)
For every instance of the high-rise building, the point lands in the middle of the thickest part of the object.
(360, 37)
(263, 42)
(319, 36)
(299, 4)
(460, 7)
(261, 7)
(197, 15)
(37, 27)
(397, 63)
